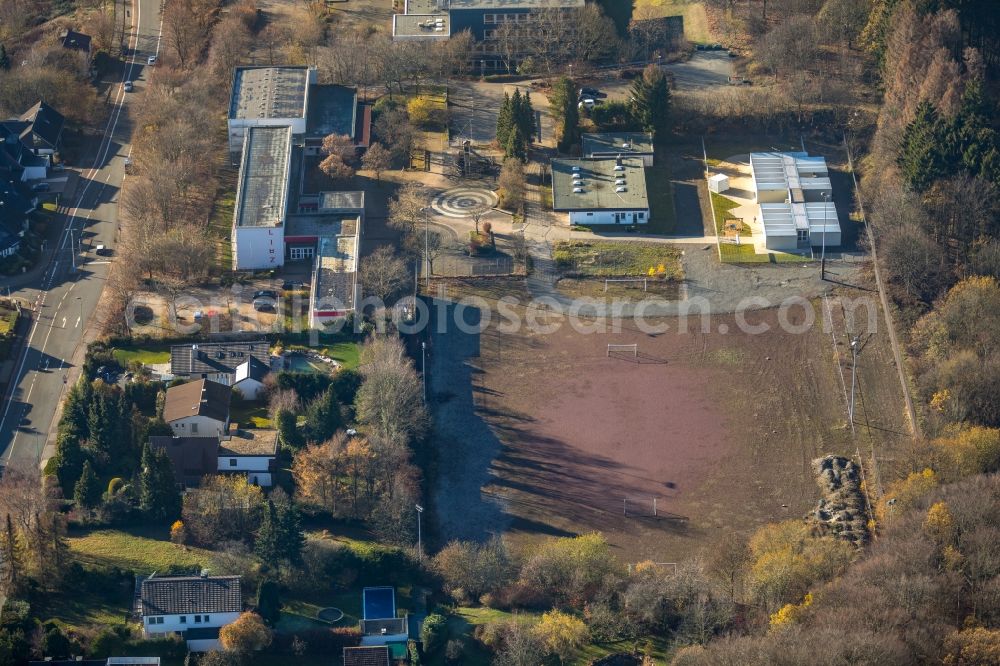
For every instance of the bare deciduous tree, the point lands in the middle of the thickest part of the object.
(383, 274)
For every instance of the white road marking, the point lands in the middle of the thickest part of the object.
(77, 323)
(67, 233)
(64, 322)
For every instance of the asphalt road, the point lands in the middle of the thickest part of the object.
(65, 295)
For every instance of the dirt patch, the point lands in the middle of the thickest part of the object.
(548, 435)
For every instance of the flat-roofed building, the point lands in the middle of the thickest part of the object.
(795, 198)
(258, 236)
(268, 96)
(335, 278)
(613, 144)
(609, 191)
(420, 26)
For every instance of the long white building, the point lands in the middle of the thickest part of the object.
(262, 199)
(795, 199)
(268, 96)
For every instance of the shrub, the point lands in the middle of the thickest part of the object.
(177, 532)
(433, 633)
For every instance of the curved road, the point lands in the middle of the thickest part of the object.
(65, 295)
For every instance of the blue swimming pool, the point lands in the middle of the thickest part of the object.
(379, 603)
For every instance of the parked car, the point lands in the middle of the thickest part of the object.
(128, 86)
(103, 251)
(587, 103)
(151, 60)
(291, 285)
(589, 92)
(265, 293)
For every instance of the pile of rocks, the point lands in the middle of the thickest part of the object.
(841, 509)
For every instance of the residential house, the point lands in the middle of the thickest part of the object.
(600, 191)
(249, 452)
(379, 624)
(15, 207)
(193, 607)
(619, 144)
(249, 378)
(218, 361)
(76, 41)
(366, 655)
(198, 409)
(192, 457)
(39, 129)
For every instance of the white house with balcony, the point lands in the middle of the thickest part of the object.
(192, 607)
(197, 409)
(251, 453)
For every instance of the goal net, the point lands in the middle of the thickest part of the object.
(631, 350)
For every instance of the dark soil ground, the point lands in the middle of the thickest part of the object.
(544, 434)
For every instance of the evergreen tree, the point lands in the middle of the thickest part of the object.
(4, 58)
(290, 536)
(505, 120)
(528, 126)
(75, 417)
(69, 460)
(87, 492)
(516, 145)
(651, 101)
(12, 556)
(267, 546)
(920, 157)
(268, 601)
(158, 495)
(288, 431)
(323, 416)
(565, 101)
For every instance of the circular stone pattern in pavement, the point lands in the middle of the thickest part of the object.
(330, 615)
(464, 201)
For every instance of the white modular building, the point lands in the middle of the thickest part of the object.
(795, 199)
(258, 236)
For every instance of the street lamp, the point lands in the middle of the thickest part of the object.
(423, 368)
(822, 261)
(854, 374)
(427, 256)
(420, 544)
(80, 298)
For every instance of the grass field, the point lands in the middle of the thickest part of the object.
(345, 352)
(721, 206)
(220, 223)
(142, 550)
(246, 412)
(693, 11)
(147, 354)
(610, 258)
(8, 319)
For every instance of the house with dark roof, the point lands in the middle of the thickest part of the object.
(75, 41)
(217, 361)
(192, 457)
(198, 409)
(249, 377)
(250, 453)
(39, 128)
(15, 207)
(193, 607)
(366, 655)
(110, 661)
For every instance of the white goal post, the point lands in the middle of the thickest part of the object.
(644, 281)
(624, 348)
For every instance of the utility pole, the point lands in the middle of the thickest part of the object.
(72, 249)
(423, 368)
(822, 260)
(854, 373)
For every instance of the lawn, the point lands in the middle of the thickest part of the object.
(693, 11)
(148, 354)
(139, 549)
(220, 223)
(662, 218)
(77, 610)
(745, 254)
(610, 258)
(721, 206)
(247, 412)
(8, 319)
(345, 352)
